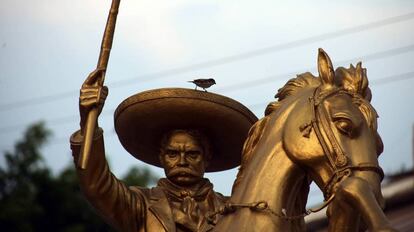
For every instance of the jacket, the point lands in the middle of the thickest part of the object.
(132, 209)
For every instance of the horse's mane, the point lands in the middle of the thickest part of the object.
(290, 88)
(351, 79)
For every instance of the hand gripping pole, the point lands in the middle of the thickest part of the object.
(92, 116)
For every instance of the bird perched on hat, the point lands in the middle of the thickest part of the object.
(203, 83)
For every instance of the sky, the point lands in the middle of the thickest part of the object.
(251, 48)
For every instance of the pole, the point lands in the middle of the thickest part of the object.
(92, 117)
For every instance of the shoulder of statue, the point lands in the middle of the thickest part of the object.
(154, 193)
(140, 190)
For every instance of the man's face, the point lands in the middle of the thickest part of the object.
(183, 159)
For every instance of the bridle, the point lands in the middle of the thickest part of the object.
(338, 160)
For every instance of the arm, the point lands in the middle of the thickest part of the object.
(120, 207)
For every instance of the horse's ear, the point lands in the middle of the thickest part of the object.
(325, 68)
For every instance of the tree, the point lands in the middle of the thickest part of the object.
(18, 180)
(32, 199)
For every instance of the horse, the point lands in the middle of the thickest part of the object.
(321, 129)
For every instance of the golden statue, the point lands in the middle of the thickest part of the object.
(184, 131)
(187, 132)
(321, 129)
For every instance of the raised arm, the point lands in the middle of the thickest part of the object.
(113, 200)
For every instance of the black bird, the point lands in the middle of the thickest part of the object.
(203, 83)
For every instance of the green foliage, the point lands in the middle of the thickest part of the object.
(32, 199)
(18, 190)
(139, 176)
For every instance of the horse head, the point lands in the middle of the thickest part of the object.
(332, 134)
(322, 129)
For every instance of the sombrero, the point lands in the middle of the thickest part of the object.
(142, 119)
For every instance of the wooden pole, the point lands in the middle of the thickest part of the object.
(92, 117)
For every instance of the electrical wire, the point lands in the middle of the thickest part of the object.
(219, 61)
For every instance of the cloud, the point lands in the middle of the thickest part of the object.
(142, 25)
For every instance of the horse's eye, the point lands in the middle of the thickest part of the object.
(345, 126)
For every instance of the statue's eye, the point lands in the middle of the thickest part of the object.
(172, 153)
(193, 154)
(345, 126)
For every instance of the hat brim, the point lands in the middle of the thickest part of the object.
(142, 119)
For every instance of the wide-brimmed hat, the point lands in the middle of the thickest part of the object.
(142, 119)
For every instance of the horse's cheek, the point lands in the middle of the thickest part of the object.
(299, 148)
(294, 144)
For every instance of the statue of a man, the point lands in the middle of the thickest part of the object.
(186, 132)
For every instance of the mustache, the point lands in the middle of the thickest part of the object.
(179, 171)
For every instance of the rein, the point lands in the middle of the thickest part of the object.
(333, 151)
(336, 156)
(262, 206)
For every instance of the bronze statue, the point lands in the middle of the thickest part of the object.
(187, 132)
(321, 129)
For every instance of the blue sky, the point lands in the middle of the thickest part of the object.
(251, 48)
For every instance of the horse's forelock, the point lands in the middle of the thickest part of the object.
(353, 79)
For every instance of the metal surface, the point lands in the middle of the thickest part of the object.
(187, 132)
(322, 129)
(142, 119)
(93, 113)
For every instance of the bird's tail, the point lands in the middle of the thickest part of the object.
(191, 81)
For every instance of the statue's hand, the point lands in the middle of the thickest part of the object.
(92, 95)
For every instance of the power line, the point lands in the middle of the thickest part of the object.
(266, 50)
(394, 78)
(271, 78)
(111, 133)
(59, 120)
(380, 81)
(219, 61)
(66, 119)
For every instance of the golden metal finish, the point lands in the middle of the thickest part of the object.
(143, 118)
(177, 203)
(187, 132)
(93, 113)
(321, 129)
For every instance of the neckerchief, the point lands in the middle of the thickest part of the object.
(184, 201)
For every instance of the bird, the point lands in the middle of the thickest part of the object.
(203, 83)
